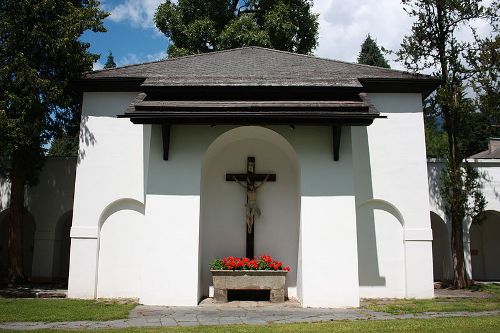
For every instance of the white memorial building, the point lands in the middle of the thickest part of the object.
(348, 209)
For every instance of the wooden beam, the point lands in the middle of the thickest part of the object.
(165, 135)
(336, 133)
(242, 177)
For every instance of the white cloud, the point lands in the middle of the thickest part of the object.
(345, 24)
(139, 13)
(97, 65)
(133, 58)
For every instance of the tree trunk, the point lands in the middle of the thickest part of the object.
(15, 230)
(460, 279)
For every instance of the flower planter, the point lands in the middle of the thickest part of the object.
(225, 280)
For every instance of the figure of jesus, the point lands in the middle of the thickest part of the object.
(251, 182)
(252, 209)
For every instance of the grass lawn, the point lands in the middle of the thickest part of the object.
(455, 325)
(440, 304)
(51, 310)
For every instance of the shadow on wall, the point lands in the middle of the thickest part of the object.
(435, 174)
(28, 243)
(485, 247)
(368, 269)
(120, 249)
(53, 196)
(381, 228)
(441, 252)
(86, 138)
(62, 241)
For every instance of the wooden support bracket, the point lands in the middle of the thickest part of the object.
(336, 133)
(165, 135)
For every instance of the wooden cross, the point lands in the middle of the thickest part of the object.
(248, 180)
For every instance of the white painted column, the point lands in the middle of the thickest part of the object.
(418, 263)
(170, 263)
(329, 252)
(328, 240)
(83, 262)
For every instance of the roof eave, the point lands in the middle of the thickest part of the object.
(425, 85)
(109, 84)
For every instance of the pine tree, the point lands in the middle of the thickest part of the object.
(110, 62)
(434, 44)
(40, 55)
(370, 54)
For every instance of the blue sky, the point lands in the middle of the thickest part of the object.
(131, 40)
(133, 37)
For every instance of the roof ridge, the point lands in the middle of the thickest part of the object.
(338, 61)
(168, 59)
(264, 49)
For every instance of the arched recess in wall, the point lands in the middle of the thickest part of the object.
(441, 253)
(62, 242)
(222, 211)
(485, 247)
(119, 254)
(381, 259)
(29, 227)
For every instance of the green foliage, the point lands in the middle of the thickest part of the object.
(40, 54)
(370, 54)
(485, 63)
(217, 264)
(200, 26)
(433, 44)
(436, 140)
(110, 61)
(53, 310)
(64, 146)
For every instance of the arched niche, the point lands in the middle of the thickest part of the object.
(485, 247)
(441, 253)
(222, 212)
(28, 230)
(62, 243)
(381, 261)
(119, 255)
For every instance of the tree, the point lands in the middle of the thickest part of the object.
(199, 26)
(65, 138)
(110, 62)
(370, 54)
(40, 55)
(433, 44)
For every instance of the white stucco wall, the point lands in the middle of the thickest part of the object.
(49, 202)
(480, 241)
(109, 168)
(48, 205)
(4, 194)
(382, 169)
(120, 254)
(121, 161)
(391, 175)
(173, 215)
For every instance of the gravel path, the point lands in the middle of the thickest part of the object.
(251, 313)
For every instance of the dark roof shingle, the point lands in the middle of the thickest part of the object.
(254, 66)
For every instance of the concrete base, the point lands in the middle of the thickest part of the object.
(249, 280)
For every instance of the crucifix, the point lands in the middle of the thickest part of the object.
(251, 181)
